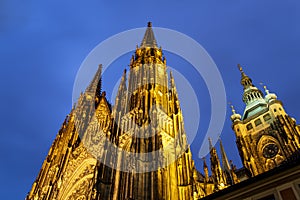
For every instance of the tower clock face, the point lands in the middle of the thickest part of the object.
(270, 150)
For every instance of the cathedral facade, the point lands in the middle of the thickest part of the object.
(137, 148)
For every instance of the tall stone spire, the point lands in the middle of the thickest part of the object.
(225, 164)
(149, 38)
(150, 124)
(137, 150)
(228, 171)
(121, 93)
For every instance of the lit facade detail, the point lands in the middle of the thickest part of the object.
(265, 136)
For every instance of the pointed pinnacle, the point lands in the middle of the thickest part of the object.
(149, 38)
(95, 84)
(221, 144)
(204, 162)
(210, 143)
(266, 90)
(232, 109)
(240, 68)
(171, 78)
(123, 80)
(225, 162)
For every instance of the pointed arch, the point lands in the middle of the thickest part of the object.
(78, 177)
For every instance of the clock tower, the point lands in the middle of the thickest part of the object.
(265, 135)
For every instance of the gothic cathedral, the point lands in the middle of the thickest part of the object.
(137, 148)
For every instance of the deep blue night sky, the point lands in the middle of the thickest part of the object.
(43, 43)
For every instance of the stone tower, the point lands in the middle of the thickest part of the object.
(265, 135)
(135, 149)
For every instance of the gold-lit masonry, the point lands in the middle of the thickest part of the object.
(266, 137)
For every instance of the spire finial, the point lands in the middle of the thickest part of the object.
(172, 82)
(232, 109)
(149, 39)
(266, 90)
(246, 80)
(123, 80)
(234, 117)
(240, 68)
(210, 143)
(269, 96)
(204, 162)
